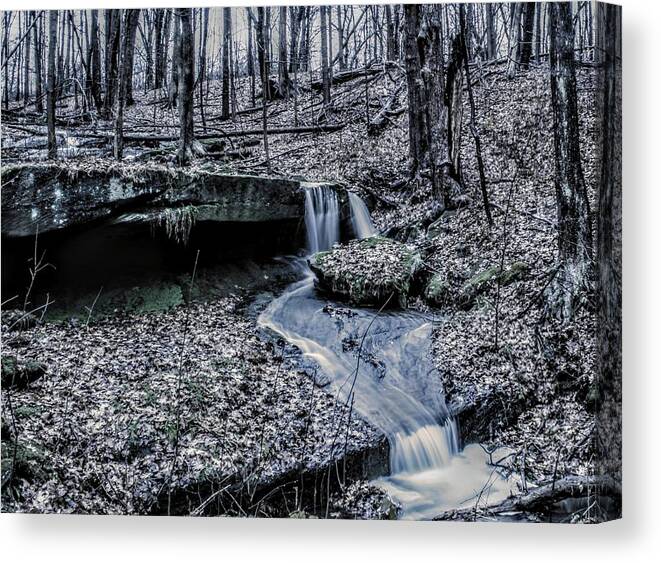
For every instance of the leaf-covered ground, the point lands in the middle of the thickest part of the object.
(134, 405)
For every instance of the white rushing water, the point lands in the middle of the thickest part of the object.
(360, 217)
(322, 217)
(395, 385)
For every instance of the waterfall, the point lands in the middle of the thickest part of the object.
(360, 217)
(402, 395)
(322, 218)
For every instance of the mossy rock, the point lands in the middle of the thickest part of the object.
(438, 290)
(368, 272)
(481, 281)
(28, 461)
(20, 375)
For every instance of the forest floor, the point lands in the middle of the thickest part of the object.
(525, 377)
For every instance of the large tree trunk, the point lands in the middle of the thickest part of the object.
(50, 102)
(112, 53)
(572, 281)
(429, 135)
(130, 30)
(227, 38)
(127, 23)
(609, 253)
(186, 81)
(491, 31)
(527, 33)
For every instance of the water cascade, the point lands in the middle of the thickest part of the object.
(394, 384)
(322, 217)
(360, 217)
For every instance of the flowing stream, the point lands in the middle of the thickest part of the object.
(381, 363)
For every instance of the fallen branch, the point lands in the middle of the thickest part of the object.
(543, 497)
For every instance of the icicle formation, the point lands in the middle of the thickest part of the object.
(322, 218)
(360, 217)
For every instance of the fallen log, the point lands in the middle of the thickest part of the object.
(347, 75)
(171, 138)
(542, 498)
(381, 119)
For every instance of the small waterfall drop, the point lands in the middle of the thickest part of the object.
(360, 217)
(322, 217)
(400, 392)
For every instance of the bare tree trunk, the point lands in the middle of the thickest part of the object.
(428, 111)
(5, 59)
(491, 31)
(186, 81)
(609, 253)
(50, 102)
(325, 76)
(173, 86)
(227, 38)
(112, 53)
(130, 31)
(128, 24)
(118, 144)
(202, 72)
(159, 21)
(94, 58)
(572, 281)
(514, 38)
(262, 55)
(473, 121)
(283, 74)
(341, 59)
(37, 67)
(26, 76)
(251, 57)
(525, 51)
(390, 34)
(538, 32)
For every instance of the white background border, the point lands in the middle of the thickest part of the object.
(635, 538)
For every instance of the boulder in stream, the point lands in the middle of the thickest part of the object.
(372, 271)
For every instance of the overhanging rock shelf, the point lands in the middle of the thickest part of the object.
(51, 197)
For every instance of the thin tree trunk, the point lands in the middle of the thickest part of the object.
(26, 77)
(473, 121)
(283, 73)
(227, 38)
(325, 76)
(202, 72)
(50, 102)
(37, 68)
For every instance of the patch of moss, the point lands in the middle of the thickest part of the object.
(150, 297)
(438, 290)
